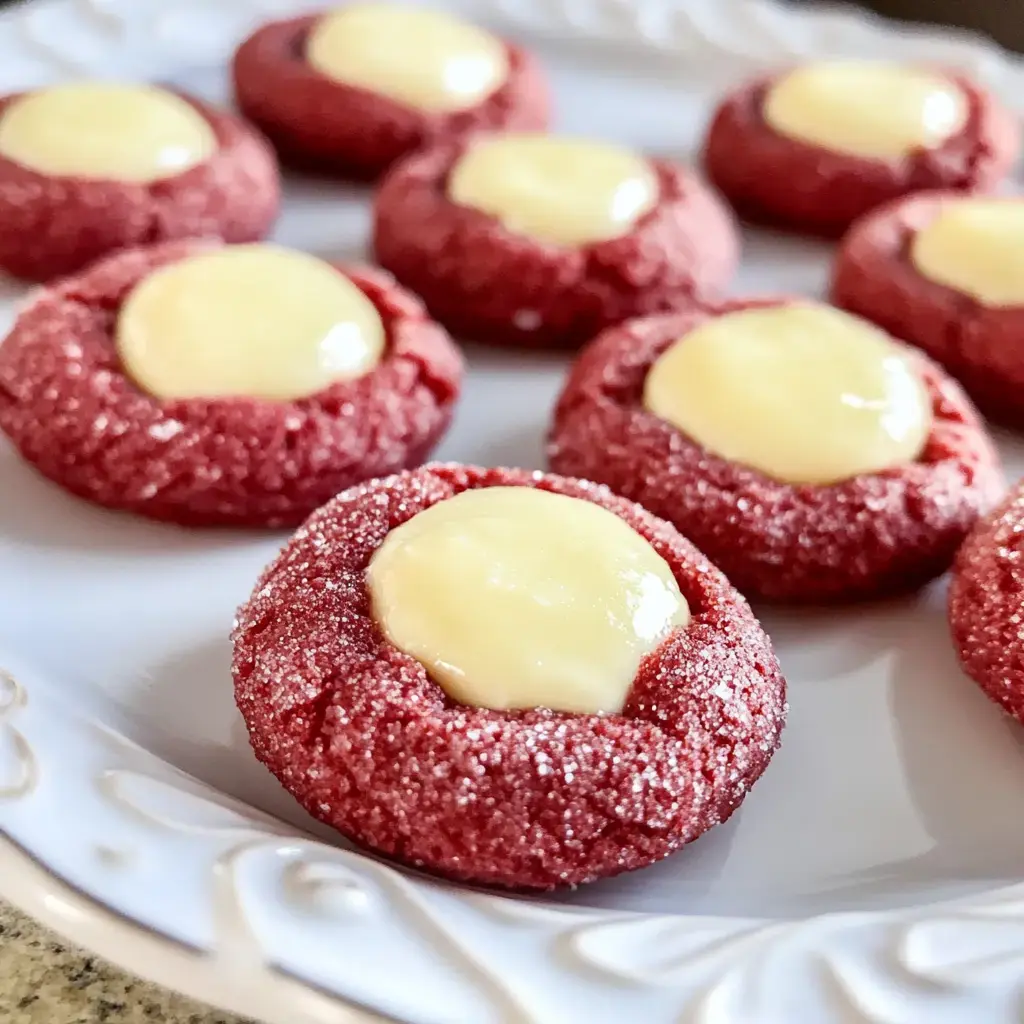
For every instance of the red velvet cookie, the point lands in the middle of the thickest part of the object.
(789, 182)
(71, 409)
(51, 225)
(495, 285)
(327, 124)
(876, 277)
(985, 599)
(869, 535)
(369, 743)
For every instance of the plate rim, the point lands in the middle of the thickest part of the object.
(27, 884)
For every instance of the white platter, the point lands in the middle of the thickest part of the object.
(874, 874)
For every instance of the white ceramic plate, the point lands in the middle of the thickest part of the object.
(873, 874)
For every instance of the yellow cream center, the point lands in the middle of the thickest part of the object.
(423, 58)
(134, 133)
(804, 393)
(513, 597)
(565, 191)
(977, 247)
(876, 111)
(248, 320)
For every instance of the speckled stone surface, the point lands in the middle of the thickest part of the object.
(43, 980)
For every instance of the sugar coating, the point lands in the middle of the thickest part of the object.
(875, 277)
(869, 536)
(319, 122)
(71, 411)
(487, 283)
(773, 178)
(368, 743)
(986, 604)
(51, 226)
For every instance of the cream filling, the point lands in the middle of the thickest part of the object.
(423, 58)
(975, 246)
(563, 191)
(257, 321)
(877, 111)
(514, 597)
(804, 393)
(133, 133)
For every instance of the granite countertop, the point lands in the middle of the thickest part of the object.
(43, 980)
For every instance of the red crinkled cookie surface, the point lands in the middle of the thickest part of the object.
(52, 226)
(773, 178)
(318, 122)
(489, 284)
(369, 743)
(986, 604)
(869, 536)
(70, 409)
(982, 346)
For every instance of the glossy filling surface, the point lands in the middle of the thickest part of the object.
(255, 321)
(133, 133)
(557, 190)
(873, 110)
(423, 58)
(977, 247)
(804, 393)
(514, 597)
